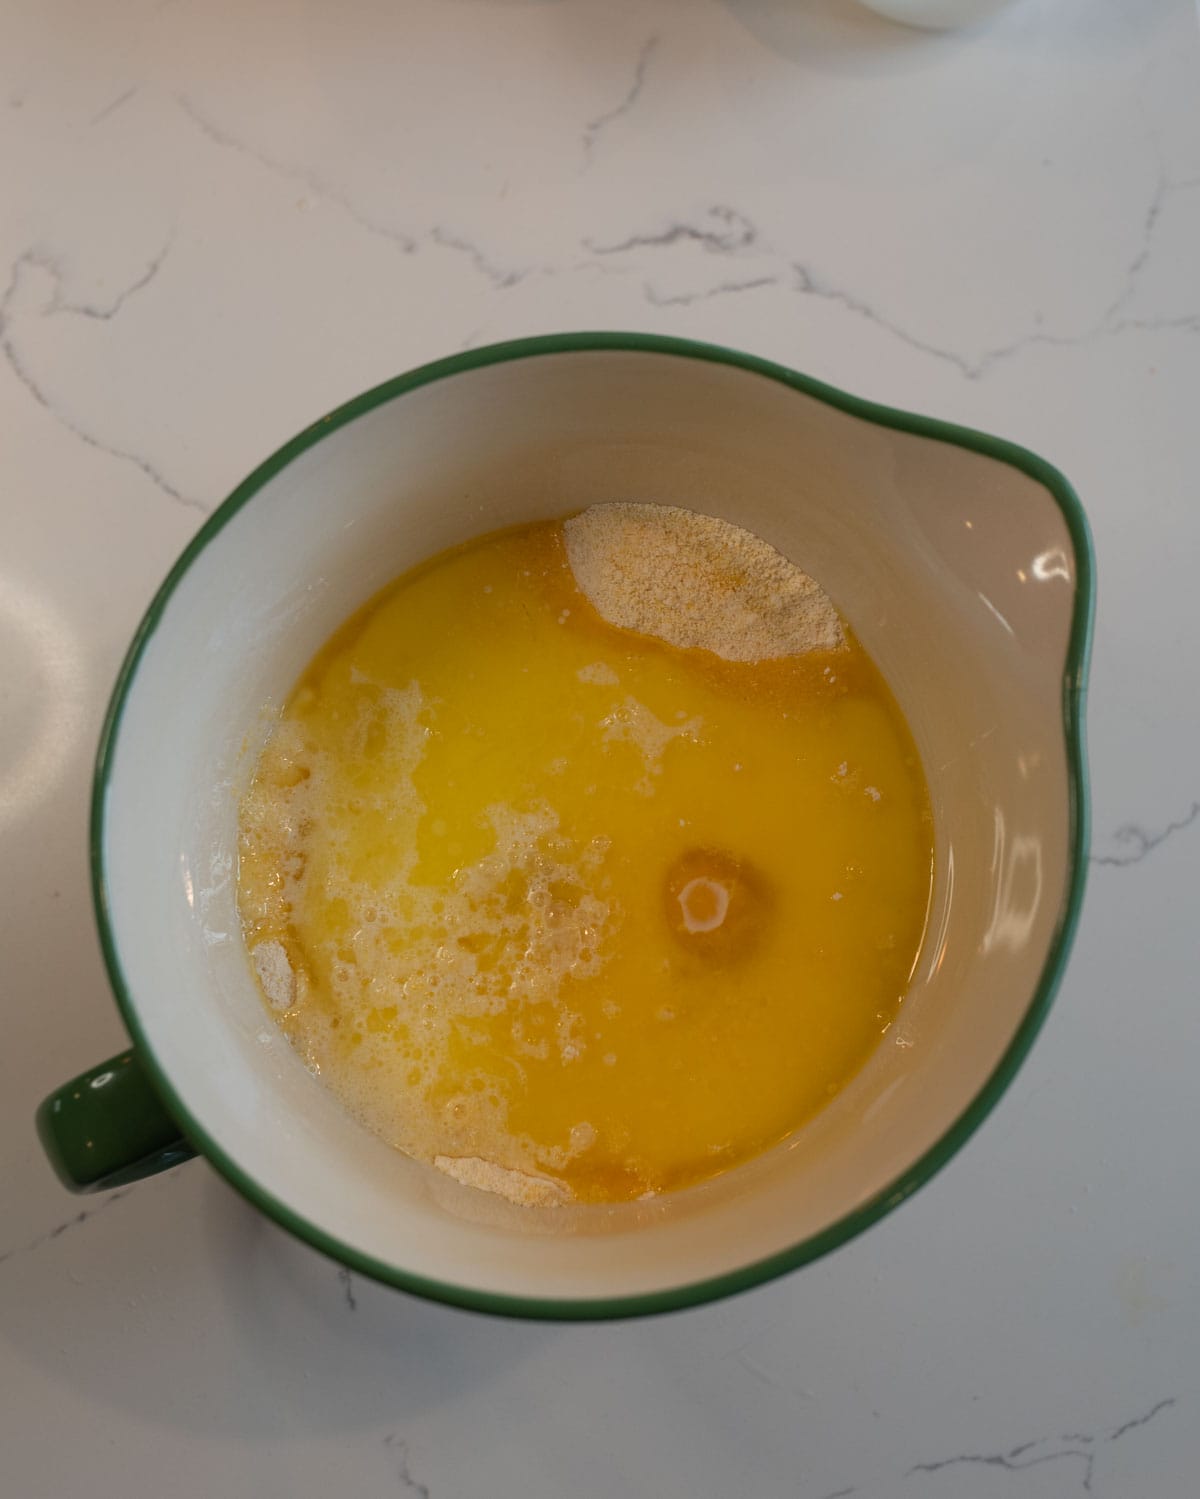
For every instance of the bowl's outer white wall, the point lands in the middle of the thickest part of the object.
(957, 573)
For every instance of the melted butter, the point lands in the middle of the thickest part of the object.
(559, 898)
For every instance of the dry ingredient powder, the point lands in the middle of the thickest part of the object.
(520, 1187)
(697, 582)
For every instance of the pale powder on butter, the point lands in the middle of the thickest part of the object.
(697, 581)
(521, 1187)
(275, 974)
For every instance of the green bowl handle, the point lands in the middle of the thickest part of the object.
(108, 1127)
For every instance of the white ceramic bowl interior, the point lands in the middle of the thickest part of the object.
(956, 569)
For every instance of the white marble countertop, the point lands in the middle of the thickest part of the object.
(220, 219)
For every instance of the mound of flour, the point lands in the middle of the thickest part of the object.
(697, 582)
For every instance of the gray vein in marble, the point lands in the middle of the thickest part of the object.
(1112, 321)
(1165, 187)
(112, 107)
(42, 260)
(1077, 1445)
(62, 1228)
(1012, 1461)
(500, 276)
(1136, 842)
(1081, 1448)
(408, 1484)
(1142, 1420)
(728, 232)
(1185, 323)
(593, 130)
(16, 363)
(1138, 263)
(347, 1288)
(810, 283)
(722, 289)
(755, 1372)
(316, 184)
(105, 313)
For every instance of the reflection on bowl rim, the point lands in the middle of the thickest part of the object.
(956, 1133)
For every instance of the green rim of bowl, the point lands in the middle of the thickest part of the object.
(955, 1136)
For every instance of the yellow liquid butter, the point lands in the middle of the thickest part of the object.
(532, 890)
